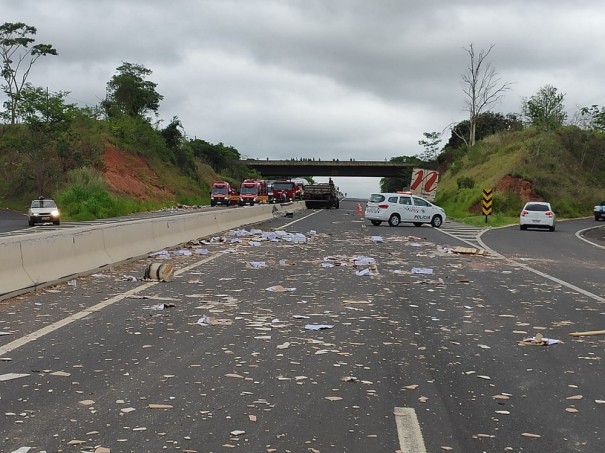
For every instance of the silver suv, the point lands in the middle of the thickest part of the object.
(43, 210)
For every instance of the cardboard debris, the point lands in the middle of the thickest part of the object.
(469, 251)
(538, 340)
(588, 333)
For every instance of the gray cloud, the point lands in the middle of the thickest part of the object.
(314, 78)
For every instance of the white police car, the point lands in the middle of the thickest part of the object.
(396, 208)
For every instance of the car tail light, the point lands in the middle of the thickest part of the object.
(524, 213)
(383, 206)
(549, 214)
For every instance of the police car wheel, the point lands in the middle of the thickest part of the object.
(394, 220)
(436, 221)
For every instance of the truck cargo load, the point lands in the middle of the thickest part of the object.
(322, 195)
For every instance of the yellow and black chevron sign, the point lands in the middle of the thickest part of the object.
(487, 202)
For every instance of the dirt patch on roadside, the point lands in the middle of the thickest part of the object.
(517, 185)
(130, 175)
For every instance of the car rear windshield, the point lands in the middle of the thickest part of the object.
(376, 198)
(537, 207)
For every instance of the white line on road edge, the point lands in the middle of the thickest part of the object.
(81, 314)
(529, 268)
(297, 220)
(542, 274)
(408, 430)
(579, 236)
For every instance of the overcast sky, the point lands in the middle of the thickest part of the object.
(319, 78)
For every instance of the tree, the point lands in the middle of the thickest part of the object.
(40, 108)
(393, 184)
(129, 93)
(488, 123)
(431, 146)
(545, 109)
(591, 118)
(18, 59)
(482, 88)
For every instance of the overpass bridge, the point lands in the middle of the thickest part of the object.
(296, 168)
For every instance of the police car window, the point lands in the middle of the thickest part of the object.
(392, 199)
(405, 200)
(376, 198)
(420, 202)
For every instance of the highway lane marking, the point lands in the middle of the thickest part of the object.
(408, 430)
(579, 236)
(298, 220)
(530, 269)
(33, 336)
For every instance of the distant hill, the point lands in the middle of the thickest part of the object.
(565, 167)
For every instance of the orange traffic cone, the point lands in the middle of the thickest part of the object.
(359, 210)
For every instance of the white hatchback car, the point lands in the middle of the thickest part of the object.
(396, 208)
(537, 214)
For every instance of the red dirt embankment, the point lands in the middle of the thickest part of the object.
(130, 175)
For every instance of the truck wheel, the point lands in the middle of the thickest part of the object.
(394, 220)
(436, 221)
(31, 223)
(375, 222)
(337, 204)
(212, 203)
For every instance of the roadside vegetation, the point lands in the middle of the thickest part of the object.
(57, 149)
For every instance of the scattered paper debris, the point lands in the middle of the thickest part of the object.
(422, 270)
(280, 289)
(11, 376)
(318, 326)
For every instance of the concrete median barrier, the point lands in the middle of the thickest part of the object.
(55, 255)
(12, 273)
(47, 256)
(126, 240)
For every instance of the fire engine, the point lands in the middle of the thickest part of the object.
(222, 193)
(286, 191)
(253, 191)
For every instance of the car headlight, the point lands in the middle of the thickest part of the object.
(54, 213)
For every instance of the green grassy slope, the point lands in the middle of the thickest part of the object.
(565, 167)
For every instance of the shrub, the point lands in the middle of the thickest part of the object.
(465, 182)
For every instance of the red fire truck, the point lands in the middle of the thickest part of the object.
(284, 191)
(253, 191)
(222, 193)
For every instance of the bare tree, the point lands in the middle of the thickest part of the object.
(482, 87)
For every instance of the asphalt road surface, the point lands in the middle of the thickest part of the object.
(12, 221)
(291, 344)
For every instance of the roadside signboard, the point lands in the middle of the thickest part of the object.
(424, 183)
